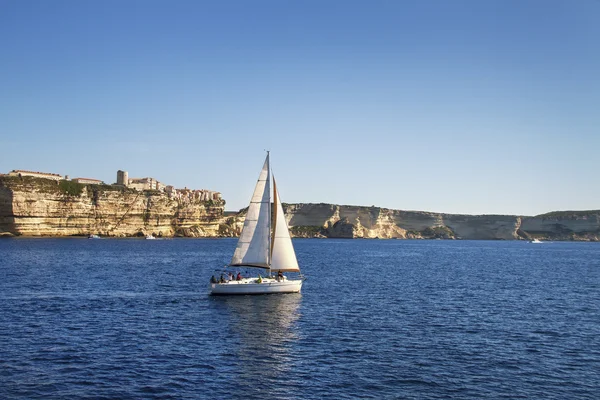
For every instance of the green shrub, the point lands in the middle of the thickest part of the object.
(307, 230)
(71, 188)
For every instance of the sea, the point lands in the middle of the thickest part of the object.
(376, 319)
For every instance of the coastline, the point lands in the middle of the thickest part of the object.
(36, 207)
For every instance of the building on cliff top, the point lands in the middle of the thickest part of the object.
(153, 184)
(88, 181)
(45, 175)
(145, 184)
(122, 178)
(139, 183)
(201, 195)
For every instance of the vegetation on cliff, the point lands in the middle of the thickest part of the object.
(435, 232)
(308, 231)
(61, 187)
(569, 214)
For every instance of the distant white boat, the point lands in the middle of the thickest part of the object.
(535, 241)
(264, 243)
(92, 236)
(150, 237)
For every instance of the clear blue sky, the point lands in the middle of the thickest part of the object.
(476, 107)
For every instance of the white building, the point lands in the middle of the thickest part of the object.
(88, 181)
(144, 184)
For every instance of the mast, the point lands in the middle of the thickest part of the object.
(271, 229)
(273, 223)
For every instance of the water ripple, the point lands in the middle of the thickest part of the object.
(131, 319)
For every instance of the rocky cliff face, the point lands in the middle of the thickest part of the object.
(40, 207)
(565, 225)
(327, 220)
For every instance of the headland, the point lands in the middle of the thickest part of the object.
(41, 204)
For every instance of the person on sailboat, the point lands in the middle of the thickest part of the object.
(239, 276)
(213, 279)
(280, 276)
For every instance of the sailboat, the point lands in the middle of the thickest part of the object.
(264, 243)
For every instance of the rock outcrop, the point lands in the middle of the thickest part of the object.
(563, 225)
(40, 207)
(327, 220)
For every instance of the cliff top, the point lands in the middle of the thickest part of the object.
(562, 214)
(50, 186)
(384, 209)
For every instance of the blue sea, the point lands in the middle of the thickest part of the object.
(379, 319)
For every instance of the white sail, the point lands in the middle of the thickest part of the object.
(263, 247)
(253, 247)
(283, 256)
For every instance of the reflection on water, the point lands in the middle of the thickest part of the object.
(265, 331)
(84, 319)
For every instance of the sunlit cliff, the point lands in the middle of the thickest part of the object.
(41, 207)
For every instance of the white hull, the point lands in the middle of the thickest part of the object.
(250, 286)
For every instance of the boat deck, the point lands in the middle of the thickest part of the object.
(252, 286)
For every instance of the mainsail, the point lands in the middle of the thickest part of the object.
(258, 246)
(253, 247)
(283, 256)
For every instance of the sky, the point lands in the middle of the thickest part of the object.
(462, 106)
